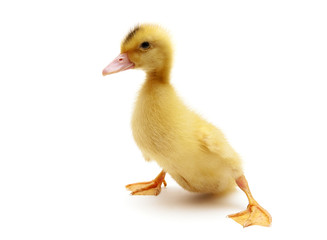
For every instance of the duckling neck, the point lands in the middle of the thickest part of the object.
(162, 75)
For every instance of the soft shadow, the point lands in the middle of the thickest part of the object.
(178, 198)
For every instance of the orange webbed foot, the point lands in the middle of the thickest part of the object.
(253, 215)
(148, 188)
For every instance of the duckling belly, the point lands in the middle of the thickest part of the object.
(204, 183)
(205, 174)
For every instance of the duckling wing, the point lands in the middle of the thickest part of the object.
(212, 140)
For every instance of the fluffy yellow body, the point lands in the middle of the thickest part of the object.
(193, 151)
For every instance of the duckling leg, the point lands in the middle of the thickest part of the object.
(254, 214)
(148, 188)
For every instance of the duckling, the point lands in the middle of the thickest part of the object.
(193, 151)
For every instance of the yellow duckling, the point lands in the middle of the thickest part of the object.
(194, 152)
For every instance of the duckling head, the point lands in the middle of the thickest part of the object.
(146, 47)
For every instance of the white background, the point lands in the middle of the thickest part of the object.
(256, 69)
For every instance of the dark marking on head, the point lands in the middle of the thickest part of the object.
(131, 34)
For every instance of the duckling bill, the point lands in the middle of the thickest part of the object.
(193, 151)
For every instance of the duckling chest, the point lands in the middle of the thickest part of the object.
(153, 127)
(160, 121)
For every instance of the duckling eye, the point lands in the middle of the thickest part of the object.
(145, 45)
